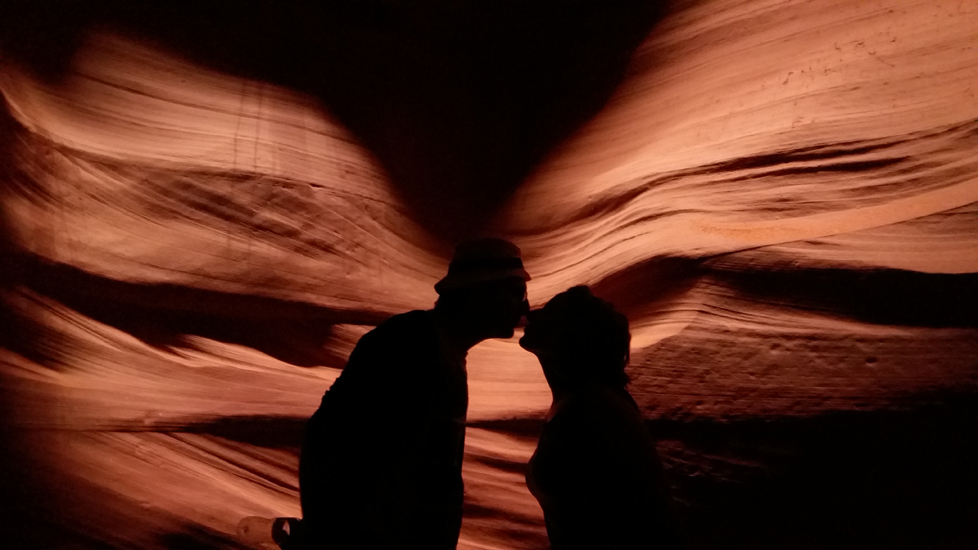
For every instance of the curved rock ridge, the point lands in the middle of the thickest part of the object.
(702, 152)
(247, 189)
(782, 196)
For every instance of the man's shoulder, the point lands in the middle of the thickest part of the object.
(414, 318)
(411, 323)
(385, 353)
(403, 332)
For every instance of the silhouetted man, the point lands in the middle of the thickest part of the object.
(381, 463)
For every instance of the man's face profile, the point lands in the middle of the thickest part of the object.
(501, 304)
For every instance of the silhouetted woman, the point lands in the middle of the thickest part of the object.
(595, 472)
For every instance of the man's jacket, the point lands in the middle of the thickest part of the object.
(381, 463)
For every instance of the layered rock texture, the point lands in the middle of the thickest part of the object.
(203, 209)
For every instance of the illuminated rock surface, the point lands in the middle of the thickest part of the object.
(782, 196)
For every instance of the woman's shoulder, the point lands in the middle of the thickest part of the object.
(600, 408)
(605, 427)
(603, 400)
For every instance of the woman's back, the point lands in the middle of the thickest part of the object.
(598, 477)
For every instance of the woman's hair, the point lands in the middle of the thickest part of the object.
(597, 337)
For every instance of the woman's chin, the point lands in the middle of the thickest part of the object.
(529, 345)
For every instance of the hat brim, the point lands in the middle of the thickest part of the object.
(454, 281)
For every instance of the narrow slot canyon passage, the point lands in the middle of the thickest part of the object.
(202, 210)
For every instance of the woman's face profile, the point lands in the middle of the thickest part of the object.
(575, 336)
(547, 328)
(532, 339)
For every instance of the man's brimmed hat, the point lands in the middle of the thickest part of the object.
(482, 261)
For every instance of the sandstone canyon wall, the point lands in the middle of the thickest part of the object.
(781, 195)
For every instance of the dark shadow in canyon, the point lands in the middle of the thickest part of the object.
(889, 297)
(889, 479)
(893, 479)
(23, 500)
(197, 537)
(458, 100)
(273, 432)
(162, 315)
(897, 478)
(881, 296)
(93, 517)
(640, 290)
